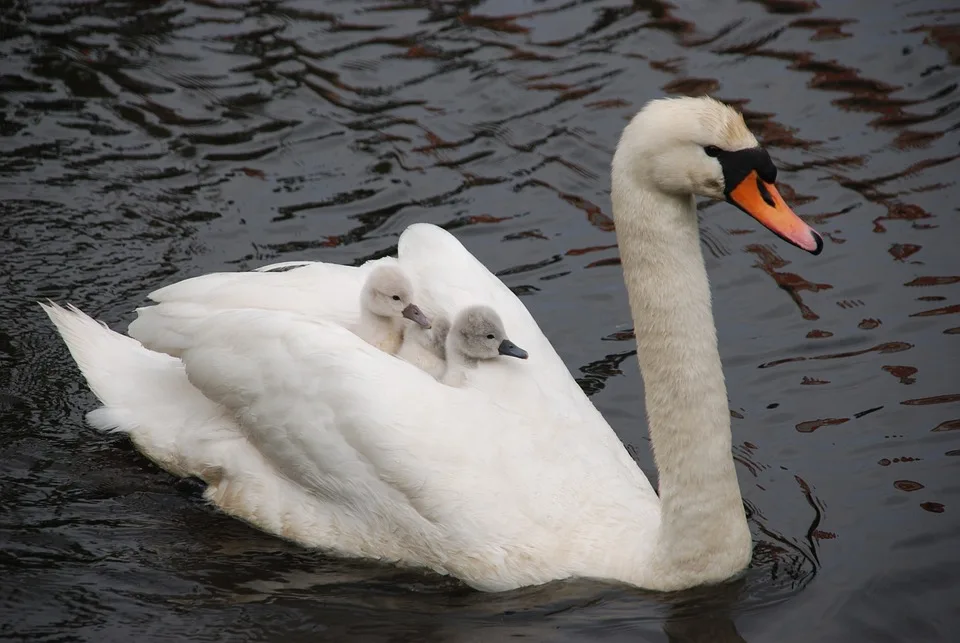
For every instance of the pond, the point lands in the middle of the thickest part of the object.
(147, 142)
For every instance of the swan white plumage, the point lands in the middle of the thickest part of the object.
(316, 290)
(515, 479)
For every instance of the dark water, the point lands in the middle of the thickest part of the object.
(145, 142)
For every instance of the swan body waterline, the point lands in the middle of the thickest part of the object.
(514, 478)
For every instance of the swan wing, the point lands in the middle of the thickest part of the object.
(450, 277)
(445, 477)
(318, 290)
(147, 396)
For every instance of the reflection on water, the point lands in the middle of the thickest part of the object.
(145, 142)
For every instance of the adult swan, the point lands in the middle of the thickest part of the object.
(303, 429)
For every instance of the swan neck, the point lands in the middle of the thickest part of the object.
(703, 535)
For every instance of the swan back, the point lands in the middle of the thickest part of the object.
(316, 290)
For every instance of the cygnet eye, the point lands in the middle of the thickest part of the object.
(396, 298)
(490, 336)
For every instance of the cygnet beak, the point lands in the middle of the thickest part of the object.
(416, 315)
(510, 349)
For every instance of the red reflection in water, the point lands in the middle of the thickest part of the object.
(807, 381)
(907, 485)
(523, 54)
(905, 373)
(909, 139)
(419, 51)
(901, 251)
(825, 28)
(692, 86)
(612, 103)
(485, 218)
(936, 399)
(812, 425)
(946, 310)
(933, 507)
(933, 281)
(770, 262)
(949, 425)
(253, 172)
(819, 334)
(613, 261)
(946, 37)
(503, 24)
(868, 324)
(952, 331)
(901, 212)
(887, 347)
(576, 252)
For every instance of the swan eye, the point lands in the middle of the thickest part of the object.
(712, 151)
(396, 298)
(490, 336)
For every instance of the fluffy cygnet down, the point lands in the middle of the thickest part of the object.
(386, 304)
(448, 351)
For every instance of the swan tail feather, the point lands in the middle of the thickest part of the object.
(145, 394)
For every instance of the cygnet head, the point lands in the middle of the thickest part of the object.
(477, 333)
(388, 293)
(700, 146)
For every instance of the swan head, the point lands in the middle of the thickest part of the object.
(477, 333)
(700, 146)
(388, 292)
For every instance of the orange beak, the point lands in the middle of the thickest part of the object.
(761, 200)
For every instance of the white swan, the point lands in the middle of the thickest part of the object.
(515, 479)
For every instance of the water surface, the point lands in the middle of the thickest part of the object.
(146, 142)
